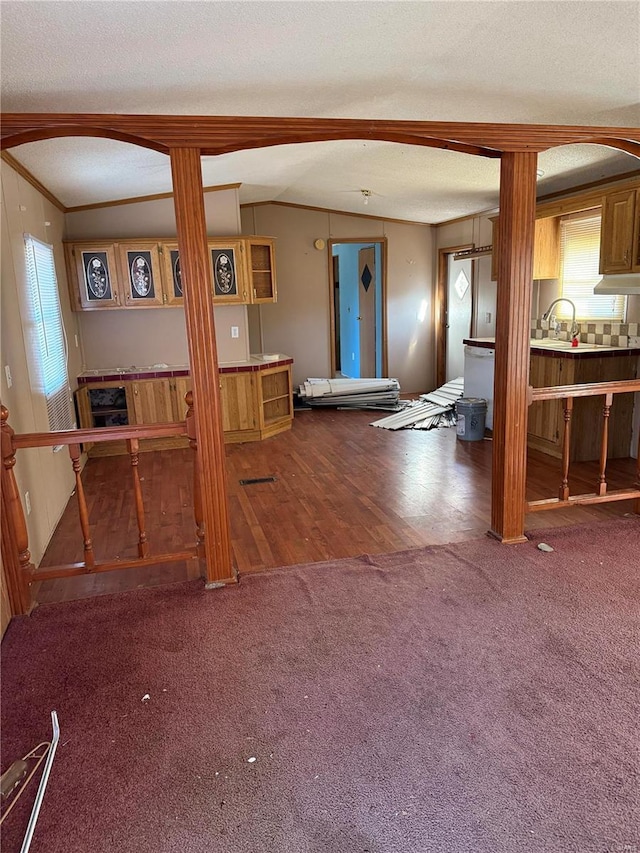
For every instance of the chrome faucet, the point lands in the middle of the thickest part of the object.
(574, 325)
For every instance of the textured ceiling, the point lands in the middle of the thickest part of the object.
(568, 62)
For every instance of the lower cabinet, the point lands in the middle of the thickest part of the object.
(255, 405)
(546, 418)
(144, 401)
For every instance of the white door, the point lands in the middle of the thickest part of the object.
(458, 321)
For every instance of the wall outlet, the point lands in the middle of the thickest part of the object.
(353, 356)
(235, 332)
(27, 503)
(7, 373)
(76, 340)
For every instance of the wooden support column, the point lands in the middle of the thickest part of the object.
(513, 320)
(198, 303)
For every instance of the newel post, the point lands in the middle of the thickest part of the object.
(198, 303)
(16, 558)
(516, 225)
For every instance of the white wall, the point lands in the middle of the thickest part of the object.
(47, 476)
(299, 323)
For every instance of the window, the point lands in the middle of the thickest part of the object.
(579, 262)
(45, 339)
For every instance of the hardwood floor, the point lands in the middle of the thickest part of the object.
(342, 488)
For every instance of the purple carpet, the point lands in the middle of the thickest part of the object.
(473, 697)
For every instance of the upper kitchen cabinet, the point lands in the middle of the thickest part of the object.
(146, 273)
(93, 276)
(620, 235)
(141, 278)
(228, 271)
(546, 249)
(261, 269)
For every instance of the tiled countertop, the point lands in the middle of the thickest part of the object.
(561, 349)
(164, 371)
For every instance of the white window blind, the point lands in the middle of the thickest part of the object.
(579, 261)
(46, 340)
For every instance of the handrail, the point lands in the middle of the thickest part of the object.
(601, 494)
(15, 543)
(589, 389)
(97, 434)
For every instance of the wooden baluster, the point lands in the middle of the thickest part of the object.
(83, 512)
(566, 449)
(16, 558)
(133, 446)
(197, 493)
(606, 411)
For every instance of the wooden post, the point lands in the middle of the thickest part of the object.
(513, 320)
(16, 558)
(197, 493)
(198, 304)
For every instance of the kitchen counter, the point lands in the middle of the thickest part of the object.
(561, 349)
(256, 399)
(553, 363)
(260, 361)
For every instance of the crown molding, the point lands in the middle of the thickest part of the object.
(335, 211)
(26, 174)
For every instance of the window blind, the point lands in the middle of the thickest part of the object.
(46, 342)
(579, 262)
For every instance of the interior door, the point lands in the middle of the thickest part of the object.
(367, 310)
(459, 314)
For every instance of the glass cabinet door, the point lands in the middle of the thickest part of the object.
(140, 273)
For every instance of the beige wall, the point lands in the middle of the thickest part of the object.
(299, 323)
(121, 338)
(47, 476)
(477, 230)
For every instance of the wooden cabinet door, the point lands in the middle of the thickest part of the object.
(93, 276)
(617, 235)
(239, 404)
(228, 271)
(181, 384)
(140, 273)
(152, 401)
(546, 417)
(546, 249)
(171, 274)
(261, 269)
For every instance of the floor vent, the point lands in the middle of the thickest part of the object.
(258, 480)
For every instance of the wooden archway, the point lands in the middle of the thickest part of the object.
(186, 138)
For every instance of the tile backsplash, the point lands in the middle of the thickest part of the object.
(607, 334)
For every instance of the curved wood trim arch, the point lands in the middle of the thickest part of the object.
(223, 134)
(51, 132)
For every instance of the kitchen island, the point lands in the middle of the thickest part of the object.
(556, 362)
(256, 398)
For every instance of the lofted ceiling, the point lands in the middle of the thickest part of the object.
(568, 62)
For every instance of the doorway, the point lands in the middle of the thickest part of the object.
(455, 307)
(358, 312)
